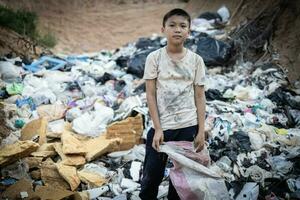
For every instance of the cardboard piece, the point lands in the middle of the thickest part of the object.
(71, 145)
(52, 111)
(51, 177)
(70, 159)
(92, 179)
(69, 173)
(129, 130)
(18, 150)
(13, 191)
(34, 128)
(45, 150)
(33, 162)
(49, 192)
(84, 195)
(99, 146)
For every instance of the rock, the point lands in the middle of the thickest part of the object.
(73, 160)
(51, 177)
(18, 150)
(69, 173)
(34, 128)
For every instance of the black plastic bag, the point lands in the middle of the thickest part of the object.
(147, 43)
(136, 64)
(213, 52)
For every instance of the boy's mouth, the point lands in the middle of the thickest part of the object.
(177, 36)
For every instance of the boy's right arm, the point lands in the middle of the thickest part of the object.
(152, 105)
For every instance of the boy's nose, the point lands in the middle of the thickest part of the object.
(177, 29)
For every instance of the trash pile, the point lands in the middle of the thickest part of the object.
(73, 126)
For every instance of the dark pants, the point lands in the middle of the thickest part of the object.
(155, 162)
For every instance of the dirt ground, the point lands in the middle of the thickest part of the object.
(83, 26)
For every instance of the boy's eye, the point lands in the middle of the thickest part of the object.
(171, 25)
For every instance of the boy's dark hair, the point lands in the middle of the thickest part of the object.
(179, 12)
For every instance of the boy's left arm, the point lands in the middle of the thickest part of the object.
(200, 101)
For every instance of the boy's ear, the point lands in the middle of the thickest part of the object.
(162, 29)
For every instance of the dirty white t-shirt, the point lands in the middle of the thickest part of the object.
(175, 82)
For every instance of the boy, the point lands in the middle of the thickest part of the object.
(175, 95)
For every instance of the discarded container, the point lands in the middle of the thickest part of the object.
(19, 123)
(47, 63)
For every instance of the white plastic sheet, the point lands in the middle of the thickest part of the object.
(93, 123)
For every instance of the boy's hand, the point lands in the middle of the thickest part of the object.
(199, 142)
(157, 139)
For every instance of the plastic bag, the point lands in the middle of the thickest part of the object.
(213, 52)
(190, 177)
(14, 88)
(96, 120)
(9, 72)
(224, 13)
(52, 112)
(249, 192)
(136, 64)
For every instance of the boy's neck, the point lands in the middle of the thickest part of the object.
(175, 48)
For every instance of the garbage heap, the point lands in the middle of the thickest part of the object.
(72, 126)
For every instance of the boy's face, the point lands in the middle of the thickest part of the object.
(176, 29)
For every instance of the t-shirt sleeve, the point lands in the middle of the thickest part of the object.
(150, 71)
(200, 72)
